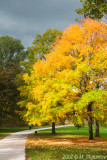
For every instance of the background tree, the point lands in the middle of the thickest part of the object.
(42, 45)
(11, 52)
(95, 9)
(9, 95)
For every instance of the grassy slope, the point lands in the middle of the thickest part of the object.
(6, 131)
(83, 131)
(68, 143)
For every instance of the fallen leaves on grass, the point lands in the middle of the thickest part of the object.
(80, 141)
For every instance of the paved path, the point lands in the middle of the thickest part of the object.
(12, 147)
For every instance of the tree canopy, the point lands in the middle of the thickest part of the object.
(94, 9)
(41, 45)
(11, 52)
(70, 73)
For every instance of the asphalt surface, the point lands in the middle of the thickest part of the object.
(12, 147)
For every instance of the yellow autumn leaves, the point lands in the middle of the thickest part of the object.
(77, 64)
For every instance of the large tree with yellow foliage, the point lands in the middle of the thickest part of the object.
(66, 84)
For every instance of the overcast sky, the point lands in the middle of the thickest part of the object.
(23, 19)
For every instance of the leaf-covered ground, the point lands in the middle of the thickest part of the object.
(45, 146)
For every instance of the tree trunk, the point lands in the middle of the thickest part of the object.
(97, 129)
(90, 121)
(96, 122)
(78, 126)
(53, 128)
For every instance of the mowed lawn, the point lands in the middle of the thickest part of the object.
(6, 131)
(68, 143)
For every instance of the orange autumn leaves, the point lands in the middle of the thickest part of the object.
(76, 65)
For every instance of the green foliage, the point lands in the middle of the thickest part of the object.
(99, 111)
(97, 95)
(42, 45)
(8, 91)
(11, 52)
(94, 9)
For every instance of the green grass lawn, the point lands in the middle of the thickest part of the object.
(72, 130)
(68, 143)
(6, 131)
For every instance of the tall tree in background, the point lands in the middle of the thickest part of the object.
(9, 95)
(42, 45)
(95, 9)
(11, 50)
(11, 53)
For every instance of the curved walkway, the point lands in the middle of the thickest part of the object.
(12, 147)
